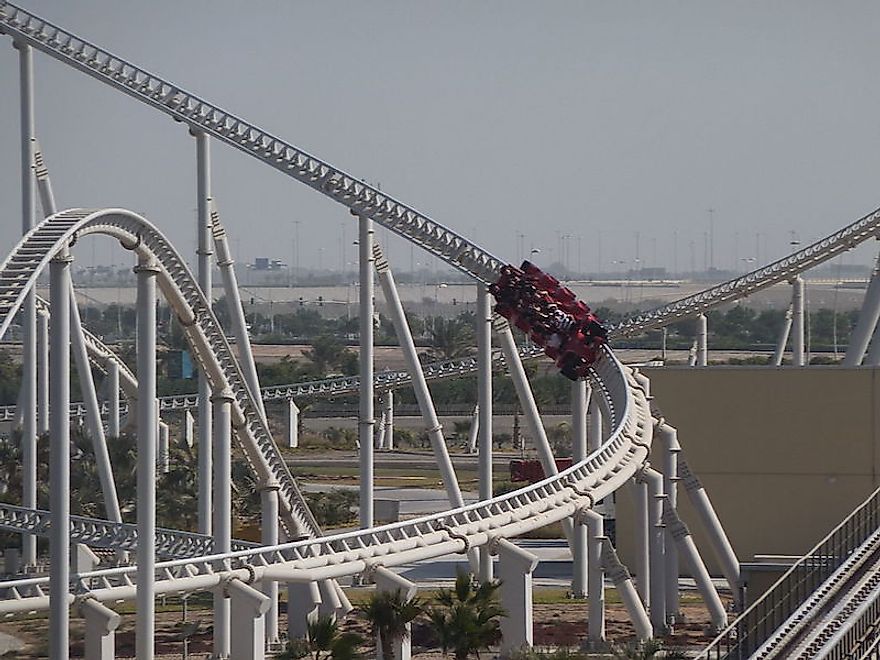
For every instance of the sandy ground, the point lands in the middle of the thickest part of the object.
(556, 625)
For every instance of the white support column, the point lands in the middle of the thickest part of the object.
(721, 546)
(783, 338)
(515, 567)
(387, 580)
(269, 536)
(484, 410)
(113, 398)
(642, 540)
(101, 625)
(595, 574)
(579, 404)
(331, 604)
(164, 446)
(188, 427)
(419, 385)
(204, 251)
(622, 581)
(379, 435)
(365, 412)
(303, 600)
(147, 426)
(526, 398)
(292, 424)
(42, 373)
(696, 567)
(798, 344)
(474, 431)
(236, 312)
(248, 606)
(222, 404)
(388, 442)
(702, 341)
(28, 399)
(94, 424)
(59, 457)
(867, 323)
(656, 546)
(668, 437)
(594, 424)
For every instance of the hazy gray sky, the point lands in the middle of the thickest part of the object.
(621, 123)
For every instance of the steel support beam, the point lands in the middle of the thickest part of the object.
(147, 429)
(269, 536)
(303, 600)
(389, 581)
(59, 457)
(715, 532)
(388, 440)
(784, 333)
(366, 415)
(419, 384)
(204, 251)
(248, 608)
(620, 578)
(42, 373)
(292, 424)
(515, 567)
(29, 309)
(579, 397)
(668, 437)
(222, 404)
(101, 625)
(867, 323)
(484, 409)
(702, 341)
(798, 344)
(595, 524)
(656, 547)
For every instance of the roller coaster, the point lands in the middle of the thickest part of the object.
(614, 418)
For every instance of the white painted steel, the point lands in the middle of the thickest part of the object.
(702, 341)
(203, 250)
(784, 333)
(269, 537)
(668, 436)
(579, 452)
(656, 550)
(42, 372)
(147, 419)
(366, 414)
(866, 326)
(798, 324)
(59, 458)
(221, 402)
(484, 423)
(28, 408)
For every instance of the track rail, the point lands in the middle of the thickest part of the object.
(322, 389)
(19, 272)
(200, 115)
(786, 268)
(618, 458)
(170, 544)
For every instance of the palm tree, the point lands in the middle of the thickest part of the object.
(468, 619)
(324, 640)
(389, 614)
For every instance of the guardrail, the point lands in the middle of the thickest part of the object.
(754, 626)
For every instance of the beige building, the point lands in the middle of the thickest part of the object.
(784, 453)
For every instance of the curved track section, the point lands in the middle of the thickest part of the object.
(19, 272)
(510, 515)
(784, 269)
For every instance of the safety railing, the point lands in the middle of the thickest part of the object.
(754, 626)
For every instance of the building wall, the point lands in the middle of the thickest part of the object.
(784, 453)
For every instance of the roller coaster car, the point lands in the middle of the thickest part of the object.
(552, 317)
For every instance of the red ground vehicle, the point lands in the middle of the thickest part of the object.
(551, 315)
(532, 470)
